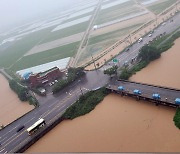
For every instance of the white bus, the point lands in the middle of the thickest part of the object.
(38, 124)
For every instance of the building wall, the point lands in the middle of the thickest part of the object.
(37, 79)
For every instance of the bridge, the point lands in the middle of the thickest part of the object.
(168, 95)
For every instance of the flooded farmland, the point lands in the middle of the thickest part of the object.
(11, 107)
(121, 124)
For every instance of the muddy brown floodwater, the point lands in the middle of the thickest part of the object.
(121, 124)
(164, 71)
(11, 107)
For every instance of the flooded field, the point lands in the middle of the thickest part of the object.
(11, 107)
(121, 124)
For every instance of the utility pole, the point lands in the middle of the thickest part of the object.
(81, 90)
(94, 62)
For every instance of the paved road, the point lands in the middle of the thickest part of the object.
(148, 90)
(169, 27)
(55, 105)
(86, 34)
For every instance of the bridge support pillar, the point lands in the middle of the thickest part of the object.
(137, 98)
(157, 103)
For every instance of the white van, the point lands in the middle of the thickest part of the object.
(140, 39)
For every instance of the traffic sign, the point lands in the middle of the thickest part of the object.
(115, 60)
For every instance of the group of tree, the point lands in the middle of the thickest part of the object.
(22, 93)
(20, 90)
(73, 74)
(85, 104)
(111, 71)
(146, 55)
(177, 118)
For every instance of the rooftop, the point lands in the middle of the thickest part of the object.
(61, 64)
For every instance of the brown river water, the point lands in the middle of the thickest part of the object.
(121, 124)
(11, 107)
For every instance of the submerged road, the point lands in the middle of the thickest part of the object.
(54, 105)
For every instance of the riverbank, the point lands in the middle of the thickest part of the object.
(11, 107)
(163, 71)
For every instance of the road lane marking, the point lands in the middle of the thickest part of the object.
(10, 131)
(29, 120)
(14, 139)
(61, 102)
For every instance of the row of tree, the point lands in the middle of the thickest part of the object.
(20, 90)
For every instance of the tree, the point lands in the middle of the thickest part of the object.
(148, 53)
(111, 71)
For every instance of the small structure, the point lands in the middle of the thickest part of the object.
(177, 101)
(156, 96)
(121, 88)
(95, 27)
(137, 92)
(44, 77)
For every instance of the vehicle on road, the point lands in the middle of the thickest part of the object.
(140, 40)
(150, 35)
(127, 49)
(163, 24)
(37, 125)
(125, 63)
(20, 128)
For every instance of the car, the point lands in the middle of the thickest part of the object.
(50, 84)
(150, 35)
(127, 49)
(163, 24)
(56, 81)
(125, 63)
(140, 40)
(20, 128)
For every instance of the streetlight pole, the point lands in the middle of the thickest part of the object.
(81, 90)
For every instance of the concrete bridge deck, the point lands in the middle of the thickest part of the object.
(168, 95)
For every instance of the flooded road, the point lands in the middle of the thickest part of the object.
(11, 107)
(121, 124)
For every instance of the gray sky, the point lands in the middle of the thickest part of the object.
(19, 11)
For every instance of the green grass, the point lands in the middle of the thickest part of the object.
(20, 47)
(96, 48)
(66, 32)
(46, 56)
(116, 12)
(158, 8)
(113, 34)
